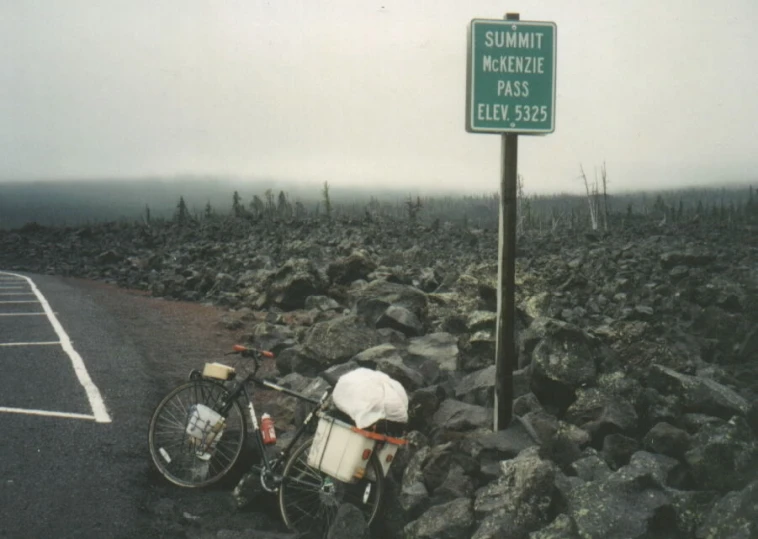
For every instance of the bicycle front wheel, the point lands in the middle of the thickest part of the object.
(309, 499)
(181, 457)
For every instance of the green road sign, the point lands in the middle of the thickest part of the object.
(511, 77)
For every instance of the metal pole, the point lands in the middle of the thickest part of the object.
(505, 342)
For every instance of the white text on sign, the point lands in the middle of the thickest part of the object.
(521, 113)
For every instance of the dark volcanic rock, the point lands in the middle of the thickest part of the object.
(456, 415)
(701, 395)
(601, 414)
(735, 516)
(422, 405)
(356, 266)
(440, 348)
(519, 502)
(561, 528)
(294, 281)
(618, 449)
(457, 484)
(414, 496)
(724, 455)
(477, 387)
(349, 523)
(401, 319)
(372, 300)
(395, 367)
(452, 520)
(562, 362)
(668, 440)
(628, 504)
(338, 340)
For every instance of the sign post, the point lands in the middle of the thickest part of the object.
(510, 90)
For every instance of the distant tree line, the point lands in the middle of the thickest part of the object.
(536, 213)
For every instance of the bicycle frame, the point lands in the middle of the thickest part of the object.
(270, 466)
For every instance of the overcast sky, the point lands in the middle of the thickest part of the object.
(666, 92)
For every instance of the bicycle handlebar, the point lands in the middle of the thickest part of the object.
(254, 353)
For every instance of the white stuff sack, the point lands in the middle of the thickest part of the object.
(368, 396)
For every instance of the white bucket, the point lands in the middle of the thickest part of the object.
(202, 421)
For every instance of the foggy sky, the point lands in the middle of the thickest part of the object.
(370, 92)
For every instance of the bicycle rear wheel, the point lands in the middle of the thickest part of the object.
(183, 459)
(309, 499)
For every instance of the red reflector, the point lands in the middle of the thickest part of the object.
(266, 353)
(366, 454)
(389, 458)
(239, 348)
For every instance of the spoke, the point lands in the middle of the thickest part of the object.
(175, 419)
(312, 472)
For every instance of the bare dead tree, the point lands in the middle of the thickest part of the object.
(593, 211)
(604, 178)
(520, 205)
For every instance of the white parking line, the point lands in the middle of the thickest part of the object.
(29, 343)
(93, 393)
(46, 413)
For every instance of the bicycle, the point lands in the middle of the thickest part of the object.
(198, 430)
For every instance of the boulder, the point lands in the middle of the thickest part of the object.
(401, 319)
(477, 350)
(370, 357)
(560, 528)
(422, 404)
(289, 285)
(631, 503)
(591, 468)
(560, 441)
(414, 496)
(701, 395)
(601, 414)
(372, 300)
(494, 447)
(735, 516)
(394, 367)
(723, 455)
(358, 265)
(321, 303)
(440, 348)
(749, 348)
(297, 359)
(274, 337)
(519, 502)
(618, 449)
(689, 258)
(337, 340)
(477, 387)
(458, 416)
(452, 520)
(349, 523)
(668, 440)
(481, 320)
(457, 484)
(562, 362)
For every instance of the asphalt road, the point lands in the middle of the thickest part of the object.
(74, 461)
(80, 473)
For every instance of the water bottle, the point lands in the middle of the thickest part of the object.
(267, 429)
